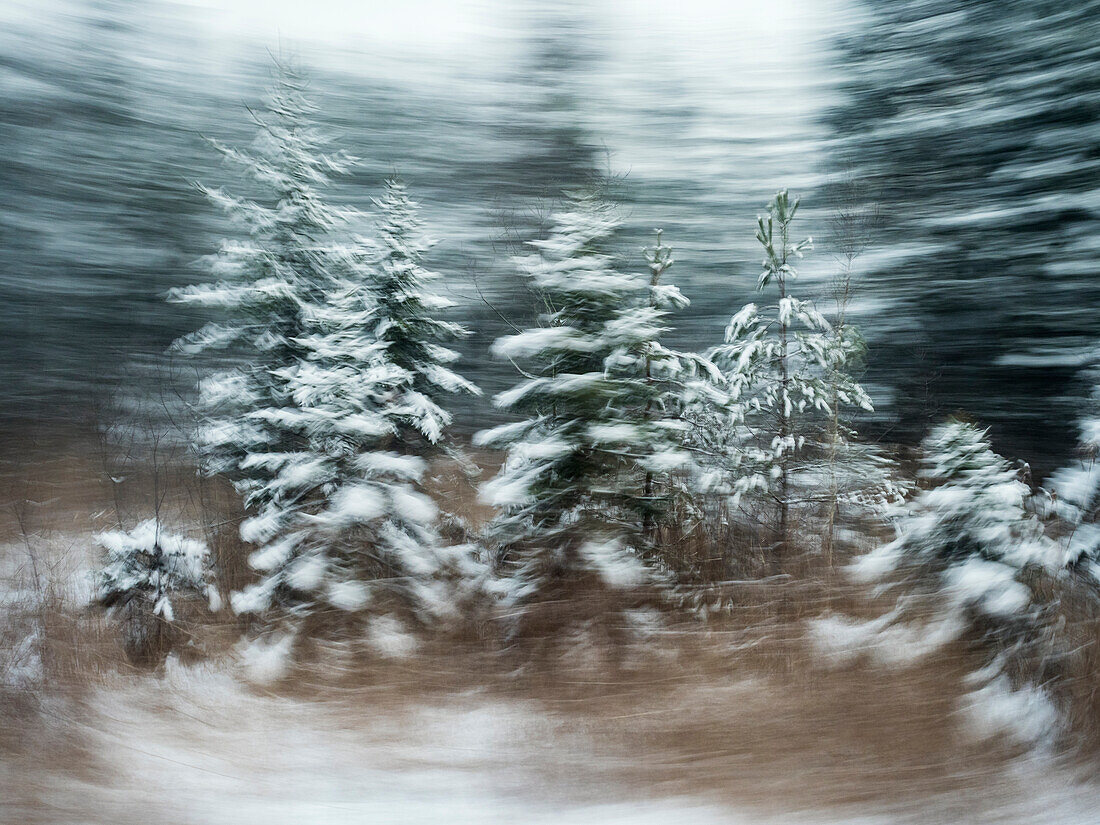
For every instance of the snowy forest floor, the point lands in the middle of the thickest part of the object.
(195, 746)
(740, 719)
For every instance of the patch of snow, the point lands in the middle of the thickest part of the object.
(666, 461)
(533, 341)
(618, 432)
(988, 585)
(389, 637)
(348, 595)
(407, 467)
(1025, 715)
(1077, 485)
(877, 564)
(307, 572)
(259, 529)
(616, 566)
(502, 434)
(265, 660)
(412, 506)
(507, 490)
(255, 598)
(887, 641)
(358, 502)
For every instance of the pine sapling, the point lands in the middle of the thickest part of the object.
(781, 373)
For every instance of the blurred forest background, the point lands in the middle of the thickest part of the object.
(972, 124)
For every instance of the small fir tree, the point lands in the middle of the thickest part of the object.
(668, 382)
(266, 284)
(658, 368)
(345, 522)
(578, 488)
(972, 531)
(406, 319)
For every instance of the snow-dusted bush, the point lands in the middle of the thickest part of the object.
(971, 563)
(579, 489)
(142, 572)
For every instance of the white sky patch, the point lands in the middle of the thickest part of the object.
(368, 36)
(410, 23)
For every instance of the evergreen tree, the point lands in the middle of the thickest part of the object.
(405, 319)
(660, 385)
(972, 530)
(266, 284)
(670, 382)
(333, 394)
(784, 371)
(577, 489)
(345, 523)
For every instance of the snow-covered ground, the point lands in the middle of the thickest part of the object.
(196, 746)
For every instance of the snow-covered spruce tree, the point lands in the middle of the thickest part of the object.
(578, 489)
(971, 535)
(971, 564)
(783, 369)
(266, 283)
(344, 523)
(142, 572)
(320, 422)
